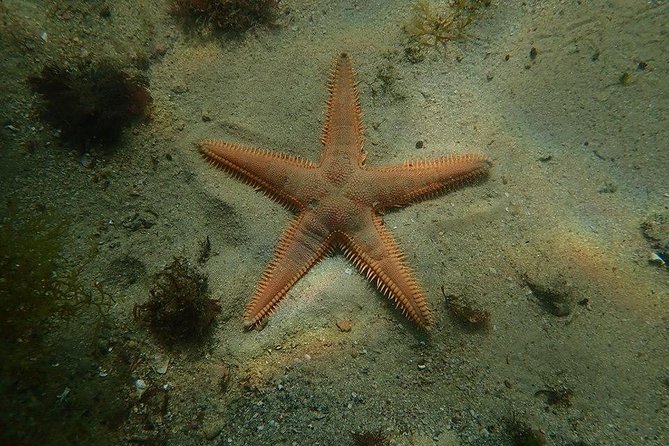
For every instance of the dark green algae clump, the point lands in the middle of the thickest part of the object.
(34, 285)
(47, 374)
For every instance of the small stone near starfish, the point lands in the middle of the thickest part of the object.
(344, 325)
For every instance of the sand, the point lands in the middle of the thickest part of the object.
(577, 134)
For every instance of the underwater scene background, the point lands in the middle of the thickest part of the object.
(127, 260)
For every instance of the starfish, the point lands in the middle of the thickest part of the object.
(339, 202)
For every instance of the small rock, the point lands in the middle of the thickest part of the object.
(140, 385)
(179, 88)
(344, 325)
(656, 231)
(160, 363)
(86, 160)
(656, 259)
(138, 221)
(159, 49)
(212, 430)
(223, 377)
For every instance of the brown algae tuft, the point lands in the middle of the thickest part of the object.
(467, 315)
(553, 293)
(372, 438)
(179, 309)
(91, 104)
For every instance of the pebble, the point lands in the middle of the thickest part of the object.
(64, 394)
(160, 363)
(86, 160)
(213, 430)
(344, 325)
(140, 385)
(656, 259)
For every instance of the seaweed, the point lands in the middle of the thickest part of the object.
(34, 286)
(179, 309)
(228, 16)
(554, 294)
(385, 83)
(41, 298)
(559, 396)
(204, 251)
(375, 438)
(523, 434)
(468, 316)
(30, 250)
(223, 377)
(91, 104)
(436, 25)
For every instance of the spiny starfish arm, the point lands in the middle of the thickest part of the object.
(403, 184)
(343, 132)
(302, 245)
(375, 253)
(271, 172)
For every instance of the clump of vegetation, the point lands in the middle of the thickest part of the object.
(523, 434)
(91, 104)
(553, 293)
(463, 312)
(30, 252)
(33, 285)
(179, 309)
(231, 16)
(435, 25)
(42, 385)
(375, 438)
(386, 83)
(560, 396)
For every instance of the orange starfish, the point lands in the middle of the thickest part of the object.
(339, 202)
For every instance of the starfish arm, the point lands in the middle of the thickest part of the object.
(402, 184)
(375, 253)
(271, 172)
(302, 245)
(343, 132)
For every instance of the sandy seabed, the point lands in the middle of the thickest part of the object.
(570, 101)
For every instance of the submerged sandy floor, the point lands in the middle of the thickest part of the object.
(580, 162)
